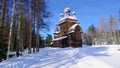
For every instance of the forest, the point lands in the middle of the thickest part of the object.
(106, 32)
(20, 24)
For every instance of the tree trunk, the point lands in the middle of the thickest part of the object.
(2, 21)
(37, 26)
(3, 14)
(37, 40)
(34, 39)
(29, 28)
(29, 48)
(19, 22)
(11, 25)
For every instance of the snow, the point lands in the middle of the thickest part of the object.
(72, 28)
(71, 32)
(51, 43)
(70, 17)
(56, 32)
(60, 38)
(97, 56)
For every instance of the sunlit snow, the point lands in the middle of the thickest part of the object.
(99, 56)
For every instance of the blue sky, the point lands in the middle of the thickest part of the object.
(87, 11)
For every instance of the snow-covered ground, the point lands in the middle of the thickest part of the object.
(102, 56)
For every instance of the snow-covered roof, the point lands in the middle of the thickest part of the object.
(57, 32)
(69, 17)
(72, 28)
(60, 38)
(71, 31)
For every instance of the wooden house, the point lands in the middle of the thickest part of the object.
(68, 31)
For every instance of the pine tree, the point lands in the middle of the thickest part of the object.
(38, 8)
(19, 25)
(30, 32)
(91, 34)
(2, 36)
(3, 14)
(48, 40)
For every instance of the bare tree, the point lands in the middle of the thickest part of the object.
(118, 27)
(103, 27)
(112, 27)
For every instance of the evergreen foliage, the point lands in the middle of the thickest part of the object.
(48, 40)
(30, 14)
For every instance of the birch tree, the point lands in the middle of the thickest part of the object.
(11, 25)
(103, 28)
(112, 27)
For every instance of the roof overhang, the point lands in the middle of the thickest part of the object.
(60, 38)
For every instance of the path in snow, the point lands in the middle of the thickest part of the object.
(85, 57)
